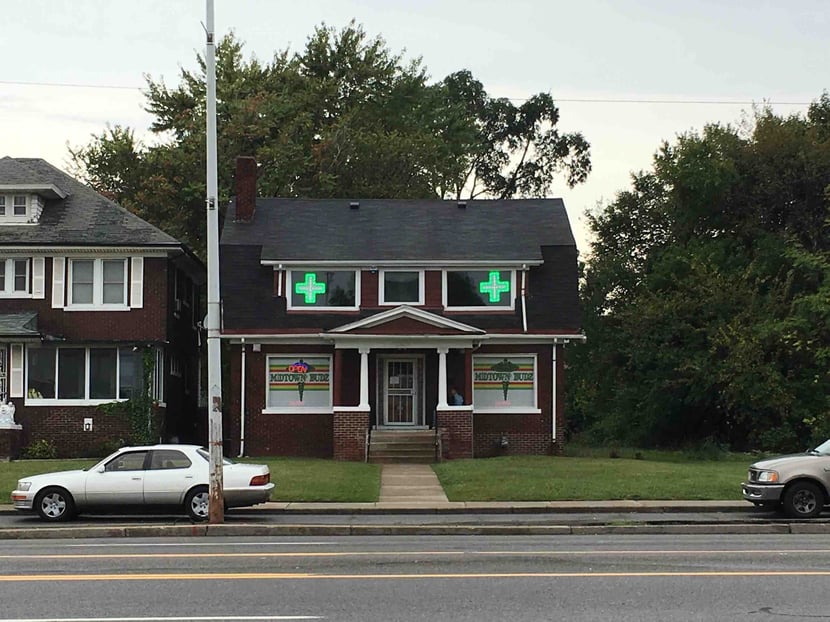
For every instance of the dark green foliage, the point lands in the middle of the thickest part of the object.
(707, 297)
(343, 118)
(40, 450)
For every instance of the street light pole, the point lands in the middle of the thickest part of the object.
(216, 506)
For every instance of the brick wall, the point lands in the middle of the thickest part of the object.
(456, 429)
(350, 435)
(268, 434)
(63, 426)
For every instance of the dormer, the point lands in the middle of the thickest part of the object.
(22, 204)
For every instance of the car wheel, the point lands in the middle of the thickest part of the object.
(803, 500)
(196, 503)
(55, 504)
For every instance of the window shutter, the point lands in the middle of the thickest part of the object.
(16, 377)
(137, 283)
(38, 277)
(58, 281)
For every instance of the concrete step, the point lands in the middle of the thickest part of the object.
(402, 445)
(401, 459)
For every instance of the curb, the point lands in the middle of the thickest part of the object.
(481, 507)
(178, 531)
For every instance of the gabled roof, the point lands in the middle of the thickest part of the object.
(393, 316)
(81, 218)
(385, 230)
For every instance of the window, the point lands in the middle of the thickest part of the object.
(401, 287)
(504, 382)
(299, 383)
(14, 277)
(85, 374)
(319, 289)
(169, 459)
(98, 282)
(14, 208)
(20, 204)
(130, 461)
(476, 289)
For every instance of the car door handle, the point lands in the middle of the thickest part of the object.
(136, 479)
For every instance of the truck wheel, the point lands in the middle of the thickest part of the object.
(803, 500)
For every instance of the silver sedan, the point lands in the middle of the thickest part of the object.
(157, 475)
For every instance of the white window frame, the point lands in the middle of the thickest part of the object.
(483, 308)
(8, 265)
(299, 410)
(156, 391)
(510, 409)
(97, 286)
(15, 205)
(383, 302)
(8, 205)
(289, 292)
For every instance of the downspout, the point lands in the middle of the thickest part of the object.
(242, 405)
(524, 300)
(553, 392)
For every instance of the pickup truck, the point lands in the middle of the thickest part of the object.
(798, 483)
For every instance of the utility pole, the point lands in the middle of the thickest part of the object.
(216, 506)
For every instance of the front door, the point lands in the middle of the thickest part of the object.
(401, 392)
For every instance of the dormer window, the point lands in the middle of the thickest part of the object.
(16, 208)
(21, 203)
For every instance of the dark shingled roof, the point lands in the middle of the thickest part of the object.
(389, 230)
(23, 324)
(83, 218)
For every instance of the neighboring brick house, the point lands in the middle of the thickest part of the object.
(86, 287)
(345, 317)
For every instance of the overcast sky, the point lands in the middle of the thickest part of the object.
(691, 52)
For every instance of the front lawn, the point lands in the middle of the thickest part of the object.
(555, 478)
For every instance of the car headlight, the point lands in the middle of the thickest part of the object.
(768, 477)
(24, 485)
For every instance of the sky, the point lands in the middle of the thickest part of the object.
(628, 74)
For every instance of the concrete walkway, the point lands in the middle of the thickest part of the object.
(410, 484)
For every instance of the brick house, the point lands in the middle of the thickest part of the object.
(86, 289)
(343, 319)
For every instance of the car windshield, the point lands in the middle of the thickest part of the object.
(206, 455)
(823, 449)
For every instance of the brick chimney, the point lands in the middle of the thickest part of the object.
(245, 188)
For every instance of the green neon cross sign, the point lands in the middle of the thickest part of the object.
(494, 287)
(310, 288)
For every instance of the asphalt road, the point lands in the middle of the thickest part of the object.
(351, 579)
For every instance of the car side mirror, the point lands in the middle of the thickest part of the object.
(101, 469)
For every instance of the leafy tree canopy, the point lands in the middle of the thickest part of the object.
(707, 296)
(343, 118)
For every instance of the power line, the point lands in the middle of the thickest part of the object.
(564, 100)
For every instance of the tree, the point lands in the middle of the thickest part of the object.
(707, 294)
(343, 118)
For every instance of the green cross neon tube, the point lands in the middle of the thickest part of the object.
(310, 288)
(494, 287)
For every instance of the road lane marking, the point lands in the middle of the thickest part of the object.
(286, 576)
(169, 619)
(311, 554)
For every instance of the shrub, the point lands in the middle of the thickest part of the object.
(40, 450)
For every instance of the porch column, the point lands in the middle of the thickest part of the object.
(364, 378)
(338, 378)
(442, 378)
